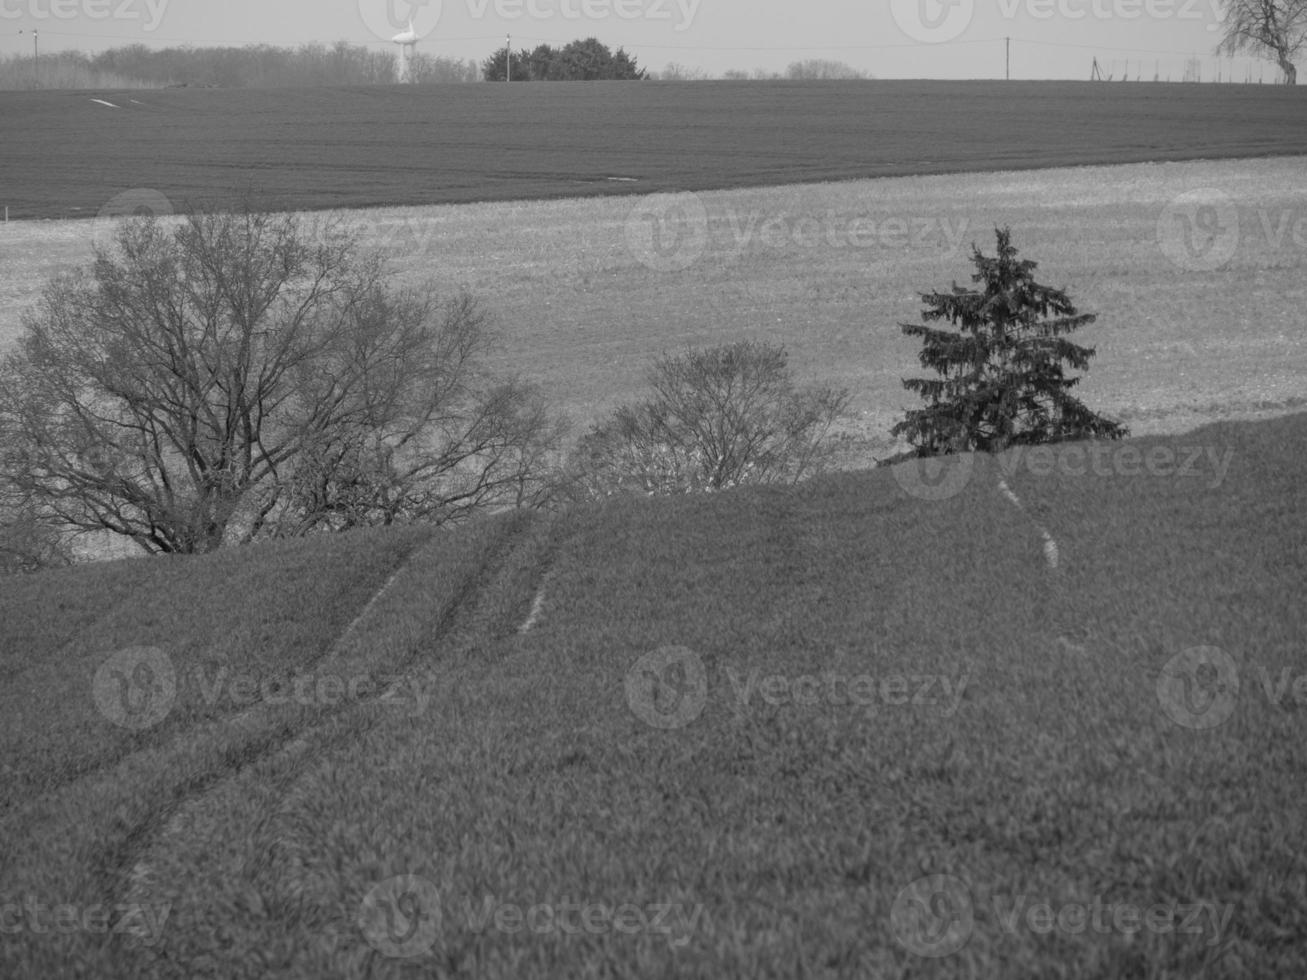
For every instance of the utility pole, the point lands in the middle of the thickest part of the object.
(1009, 58)
(508, 57)
(36, 59)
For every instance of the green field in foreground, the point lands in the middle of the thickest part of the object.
(735, 735)
(66, 156)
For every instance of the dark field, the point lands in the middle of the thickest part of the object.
(62, 155)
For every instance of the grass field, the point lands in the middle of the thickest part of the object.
(583, 304)
(741, 737)
(1032, 715)
(63, 155)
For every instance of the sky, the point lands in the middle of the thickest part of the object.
(887, 38)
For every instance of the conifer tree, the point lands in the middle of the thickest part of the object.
(1001, 374)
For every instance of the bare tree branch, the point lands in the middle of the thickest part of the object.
(1267, 28)
(231, 378)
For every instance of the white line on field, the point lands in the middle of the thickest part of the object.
(1050, 546)
(371, 602)
(537, 605)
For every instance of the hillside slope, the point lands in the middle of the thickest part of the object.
(732, 735)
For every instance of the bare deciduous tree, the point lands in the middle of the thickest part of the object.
(719, 417)
(28, 544)
(1274, 28)
(185, 390)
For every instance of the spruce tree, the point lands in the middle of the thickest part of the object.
(1001, 374)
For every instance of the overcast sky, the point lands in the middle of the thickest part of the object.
(888, 38)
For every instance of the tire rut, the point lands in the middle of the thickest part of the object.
(128, 872)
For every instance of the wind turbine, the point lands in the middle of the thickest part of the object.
(408, 42)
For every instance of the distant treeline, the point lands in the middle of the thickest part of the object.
(813, 69)
(255, 66)
(589, 60)
(265, 66)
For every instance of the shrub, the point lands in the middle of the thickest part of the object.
(719, 417)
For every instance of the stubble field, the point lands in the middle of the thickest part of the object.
(1195, 270)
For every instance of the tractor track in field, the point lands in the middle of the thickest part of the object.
(127, 872)
(160, 736)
